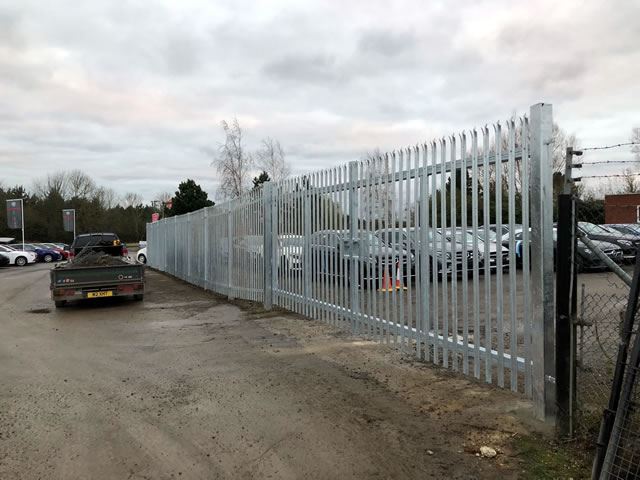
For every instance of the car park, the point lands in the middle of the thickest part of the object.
(43, 254)
(334, 251)
(18, 257)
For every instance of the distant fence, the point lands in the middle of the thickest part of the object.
(444, 249)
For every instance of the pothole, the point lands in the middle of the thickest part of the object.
(39, 310)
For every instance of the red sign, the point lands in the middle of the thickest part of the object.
(155, 217)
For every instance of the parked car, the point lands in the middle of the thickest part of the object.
(624, 228)
(4, 260)
(46, 255)
(291, 252)
(108, 243)
(441, 258)
(465, 235)
(586, 259)
(628, 243)
(17, 257)
(141, 256)
(63, 246)
(53, 246)
(374, 256)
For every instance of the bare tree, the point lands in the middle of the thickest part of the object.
(377, 198)
(629, 182)
(52, 184)
(80, 184)
(271, 159)
(232, 162)
(106, 197)
(635, 138)
(560, 140)
(131, 199)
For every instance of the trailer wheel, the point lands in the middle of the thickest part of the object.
(60, 303)
(138, 297)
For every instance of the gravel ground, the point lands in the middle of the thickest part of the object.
(186, 385)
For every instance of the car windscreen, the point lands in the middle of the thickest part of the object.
(593, 229)
(104, 240)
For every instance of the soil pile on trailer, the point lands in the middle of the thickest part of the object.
(95, 259)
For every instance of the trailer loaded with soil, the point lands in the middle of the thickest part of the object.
(98, 268)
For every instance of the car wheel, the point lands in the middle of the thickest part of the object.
(60, 303)
(138, 297)
(142, 258)
(21, 261)
(48, 258)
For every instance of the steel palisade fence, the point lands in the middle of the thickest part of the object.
(395, 248)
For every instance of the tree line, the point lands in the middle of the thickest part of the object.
(98, 209)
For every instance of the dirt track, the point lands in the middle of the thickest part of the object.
(185, 385)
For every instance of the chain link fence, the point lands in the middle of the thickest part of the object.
(603, 261)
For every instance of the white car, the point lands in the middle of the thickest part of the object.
(17, 257)
(141, 256)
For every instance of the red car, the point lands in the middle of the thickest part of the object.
(61, 251)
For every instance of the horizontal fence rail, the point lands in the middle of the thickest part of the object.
(443, 249)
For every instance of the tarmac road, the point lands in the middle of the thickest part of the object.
(186, 385)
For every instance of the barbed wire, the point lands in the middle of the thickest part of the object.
(610, 146)
(598, 162)
(622, 175)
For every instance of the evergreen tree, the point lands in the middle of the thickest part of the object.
(188, 198)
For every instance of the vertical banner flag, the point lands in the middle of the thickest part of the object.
(14, 213)
(69, 219)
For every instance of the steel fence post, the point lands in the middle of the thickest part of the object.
(306, 262)
(267, 192)
(189, 247)
(542, 301)
(353, 232)
(273, 281)
(230, 252)
(175, 245)
(205, 247)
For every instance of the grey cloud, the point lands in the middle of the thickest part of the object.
(386, 43)
(307, 68)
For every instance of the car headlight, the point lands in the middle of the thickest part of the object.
(625, 243)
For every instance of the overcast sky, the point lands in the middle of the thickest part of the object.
(133, 92)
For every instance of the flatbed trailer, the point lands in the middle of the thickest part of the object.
(70, 282)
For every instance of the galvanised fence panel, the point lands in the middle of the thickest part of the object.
(443, 249)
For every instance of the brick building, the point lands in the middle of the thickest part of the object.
(623, 208)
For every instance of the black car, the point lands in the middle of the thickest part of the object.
(624, 228)
(628, 243)
(4, 261)
(586, 259)
(332, 251)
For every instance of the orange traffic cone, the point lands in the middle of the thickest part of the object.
(399, 285)
(387, 286)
